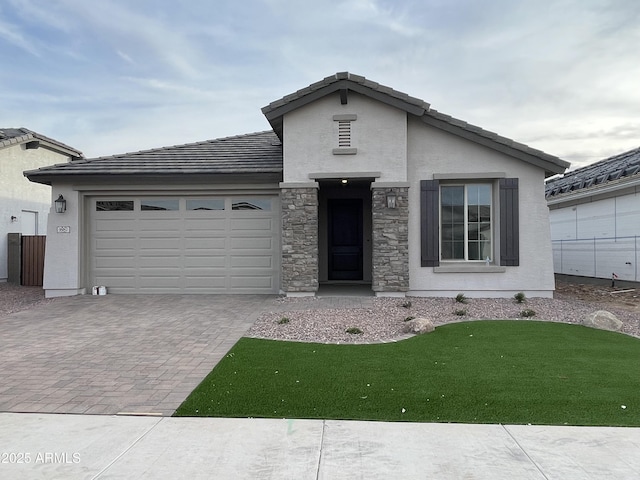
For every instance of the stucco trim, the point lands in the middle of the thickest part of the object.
(469, 175)
(346, 117)
(390, 185)
(331, 175)
(345, 151)
(299, 185)
(467, 268)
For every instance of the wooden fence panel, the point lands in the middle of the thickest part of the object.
(33, 260)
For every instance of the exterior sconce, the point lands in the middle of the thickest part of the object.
(391, 200)
(61, 204)
(14, 218)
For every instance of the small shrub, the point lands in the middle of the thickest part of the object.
(283, 321)
(460, 298)
(520, 297)
(407, 304)
(527, 313)
(460, 312)
(354, 331)
(409, 318)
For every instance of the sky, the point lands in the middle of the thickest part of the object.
(115, 76)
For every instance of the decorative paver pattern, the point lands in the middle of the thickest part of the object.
(117, 353)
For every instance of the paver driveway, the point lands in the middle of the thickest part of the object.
(117, 353)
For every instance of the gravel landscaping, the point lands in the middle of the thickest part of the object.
(386, 320)
(300, 319)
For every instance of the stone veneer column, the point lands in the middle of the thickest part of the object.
(390, 240)
(299, 238)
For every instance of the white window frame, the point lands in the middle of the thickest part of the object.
(492, 221)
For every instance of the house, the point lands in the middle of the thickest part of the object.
(595, 219)
(25, 205)
(356, 183)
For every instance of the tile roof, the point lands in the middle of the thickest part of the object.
(15, 136)
(345, 81)
(621, 166)
(251, 153)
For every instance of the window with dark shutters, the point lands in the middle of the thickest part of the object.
(508, 214)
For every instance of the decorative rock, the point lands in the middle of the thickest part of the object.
(603, 320)
(419, 325)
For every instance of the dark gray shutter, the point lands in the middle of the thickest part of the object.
(509, 223)
(429, 223)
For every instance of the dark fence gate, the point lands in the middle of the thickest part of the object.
(32, 268)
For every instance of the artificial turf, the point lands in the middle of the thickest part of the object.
(502, 371)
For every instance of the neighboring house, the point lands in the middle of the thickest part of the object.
(24, 205)
(356, 183)
(595, 219)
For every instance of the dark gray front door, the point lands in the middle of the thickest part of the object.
(345, 239)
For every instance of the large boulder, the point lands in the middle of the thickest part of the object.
(419, 325)
(603, 320)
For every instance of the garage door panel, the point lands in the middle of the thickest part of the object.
(120, 279)
(115, 225)
(210, 243)
(217, 261)
(240, 282)
(160, 243)
(206, 224)
(118, 262)
(113, 244)
(251, 243)
(184, 251)
(251, 224)
(159, 261)
(251, 261)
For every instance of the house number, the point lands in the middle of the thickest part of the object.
(64, 229)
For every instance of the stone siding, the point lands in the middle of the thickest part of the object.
(299, 239)
(390, 241)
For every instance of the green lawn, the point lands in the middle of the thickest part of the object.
(475, 372)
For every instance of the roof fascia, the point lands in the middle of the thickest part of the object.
(274, 114)
(47, 178)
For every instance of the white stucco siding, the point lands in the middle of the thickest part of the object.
(379, 134)
(20, 198)
(62, 261)
(432, 152)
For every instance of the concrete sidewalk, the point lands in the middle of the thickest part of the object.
(48, 446)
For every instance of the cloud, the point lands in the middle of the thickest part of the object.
(14, 36)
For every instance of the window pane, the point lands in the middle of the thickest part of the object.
(159, 204)
(474, 251)
(206, 204)
(115, 205)
(251, 203)
(452, 195)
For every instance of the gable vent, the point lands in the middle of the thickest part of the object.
(344, 134)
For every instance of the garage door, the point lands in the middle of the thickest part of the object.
(185, 244)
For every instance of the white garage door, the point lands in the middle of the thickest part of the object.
(185, 244)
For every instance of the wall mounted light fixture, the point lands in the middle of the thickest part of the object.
(60, 204)
(391, 200)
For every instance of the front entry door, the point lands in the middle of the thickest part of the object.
(345, 239)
